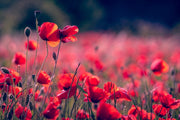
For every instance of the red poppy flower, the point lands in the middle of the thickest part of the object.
(16, 91)
(137, 111)
(169, 102)
(63, 94)
(81, 115)
(84, 76)
(66, 34)
(134, 111)
(65, 81)
(110, 87)
(31, 46)
(12, 75)
(2, 80)
(38, 97)
(49, 32)
(120, 93)
(159, 66)
(128, 117)
(160, 110)
(51, 111)
(19, 59)
(43, 78)
(96, 94)
(23, 113)
(92, 80)
(106, 111)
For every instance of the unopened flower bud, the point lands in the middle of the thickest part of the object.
(27, 31)
(5, 70)
(36, 13)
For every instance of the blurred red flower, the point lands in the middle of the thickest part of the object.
(81, 115)
(32, 45)
(13, 76)
(128, 117)
(92, 80)
(65, 81)
(159, 66)
(43, 78)
(23, 113)
(19, 59)
(120, 93)
(110, 87)
(137, 111)
(160, 110)
(63, 94)
(96, 94)
(51, 111)
(106, 111)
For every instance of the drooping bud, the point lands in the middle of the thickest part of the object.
(27, 31)
(5, 70)
(36, 13)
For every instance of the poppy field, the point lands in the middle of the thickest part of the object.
(64, 74)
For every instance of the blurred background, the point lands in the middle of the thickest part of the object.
(134, 16)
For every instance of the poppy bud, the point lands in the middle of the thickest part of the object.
(5, 70)
(27, 31)
(37, 13)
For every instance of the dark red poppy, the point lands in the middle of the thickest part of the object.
(159, 66)
(128, 117)
(19, 59)
(31, 46)
(48, 31)
(81, 115)
(51, 111)
(169, 102)
(137, 111)
(84, 76)
(13, 76)
(96, 94)
(134, 110)
(110, 87)
(65, 81)
(2, 80)
(23, 113)
(66, 34)
(160, 110)
(106, 111)
(120, 93)
(43, 78)
(63, 94)
(92, 80)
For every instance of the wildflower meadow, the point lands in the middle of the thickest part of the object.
(60, 73)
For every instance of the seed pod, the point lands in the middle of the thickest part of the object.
(27, 31)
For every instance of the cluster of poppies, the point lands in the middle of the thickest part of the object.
(115, 80)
